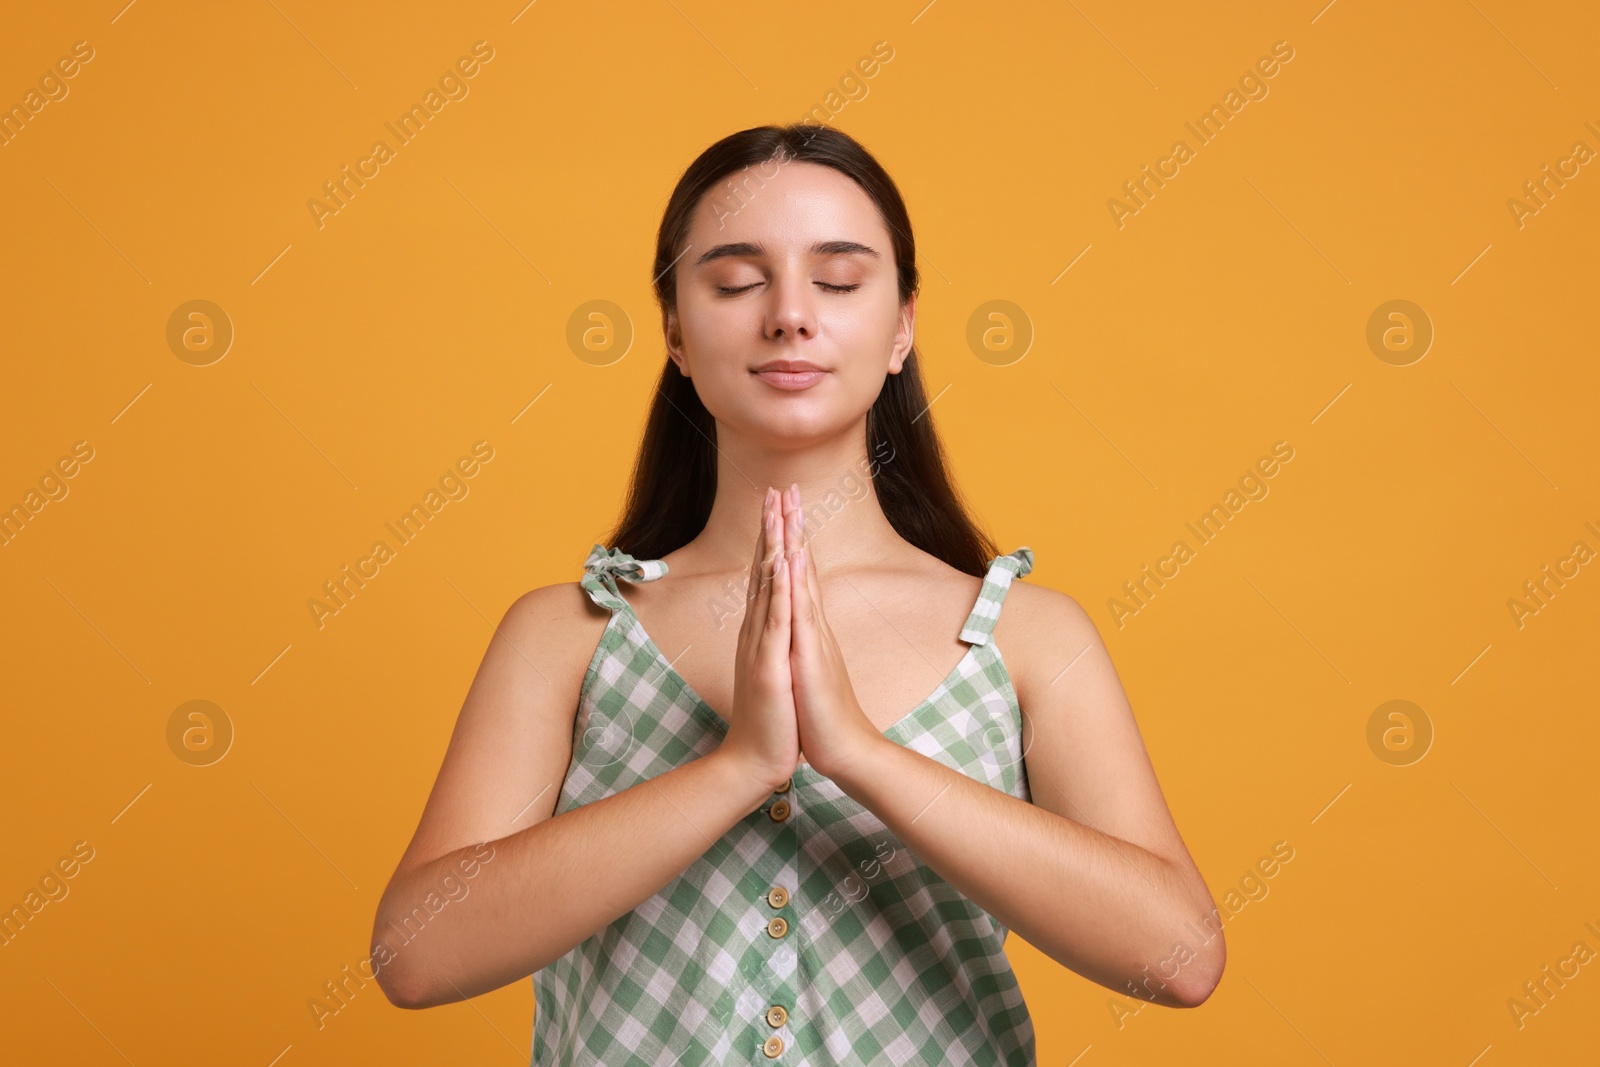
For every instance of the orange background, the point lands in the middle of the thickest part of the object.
(1229, 313)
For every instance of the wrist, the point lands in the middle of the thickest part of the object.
(859, 763)
(741, 779)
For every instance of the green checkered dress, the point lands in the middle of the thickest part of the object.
(809, 934)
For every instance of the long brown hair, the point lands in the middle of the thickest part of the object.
(675, 473)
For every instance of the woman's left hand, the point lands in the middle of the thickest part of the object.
(835, 734)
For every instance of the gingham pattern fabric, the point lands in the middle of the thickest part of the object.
(878, 960)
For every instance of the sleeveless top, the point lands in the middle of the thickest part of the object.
(809, 934)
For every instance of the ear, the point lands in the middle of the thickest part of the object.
(674, 338)
(905, 336)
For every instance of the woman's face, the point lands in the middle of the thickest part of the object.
(797, 267)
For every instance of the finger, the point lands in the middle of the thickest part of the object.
(755, 605)
(799, 538)
(767, 608)
(777, 545)
(794, 540)
(794, 520)
(803, 638)
(776, 635)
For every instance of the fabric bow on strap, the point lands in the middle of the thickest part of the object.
(610, 564)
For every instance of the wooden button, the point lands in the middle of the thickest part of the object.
(784, 788)
(776, 1016)
(777, 896)
(778, 926)
(773, 1047)
(779, 811)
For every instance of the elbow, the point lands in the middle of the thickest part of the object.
(400, 978)
(1192, 994)
(1195, 988)
(411, 979)
(400, 993)
(1199, 964)
(1187, 976)
(409, 988)
(400, 987)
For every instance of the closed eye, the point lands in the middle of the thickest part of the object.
(724, 290)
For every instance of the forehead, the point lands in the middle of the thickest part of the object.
(787, 207)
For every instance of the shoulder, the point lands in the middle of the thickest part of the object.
(1041, 605)
(1040, 631)
(557, 618)
(557, 603)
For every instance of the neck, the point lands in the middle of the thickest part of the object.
(845, 524)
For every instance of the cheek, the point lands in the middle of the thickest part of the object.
(713, 330)
(692, 326)
(865, 343)
(717, 361)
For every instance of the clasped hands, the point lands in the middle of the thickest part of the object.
(791, 692)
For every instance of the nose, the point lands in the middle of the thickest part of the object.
(792, 313)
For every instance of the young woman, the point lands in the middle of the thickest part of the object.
(789, 859)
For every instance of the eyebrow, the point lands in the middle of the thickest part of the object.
(821, 248)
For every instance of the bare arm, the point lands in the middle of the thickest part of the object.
(1093, 872)
(482, 898)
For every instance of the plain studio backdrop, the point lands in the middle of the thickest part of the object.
(1317, 275)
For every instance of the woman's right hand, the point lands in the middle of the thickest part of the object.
(763, 731)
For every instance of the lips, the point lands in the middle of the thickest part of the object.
(791, 379)
(790, 374)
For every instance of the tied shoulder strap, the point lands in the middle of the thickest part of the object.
(980, 624)
(604, 566)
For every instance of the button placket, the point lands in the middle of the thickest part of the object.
(777, 980)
